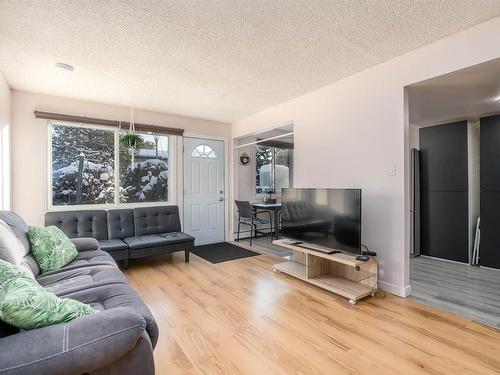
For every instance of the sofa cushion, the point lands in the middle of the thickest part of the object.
(153, 240)
(112, 245)
(116, 248)
(18, 226)
(91, 344)
(90, 259)
(11, 248)
(156, 220)
(85, 244)
(118, 295)
(120, 223)
(27, 305)
(66, 281)
(30, 261)
(51, 248)
(77, 224)
(20, 229)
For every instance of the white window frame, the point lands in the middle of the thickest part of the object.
(172, 171)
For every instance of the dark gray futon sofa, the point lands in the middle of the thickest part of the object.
(118, 339)
(127, 233)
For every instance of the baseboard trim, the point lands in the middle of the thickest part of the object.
(395, 289)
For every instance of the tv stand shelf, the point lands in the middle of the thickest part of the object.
(339, 273)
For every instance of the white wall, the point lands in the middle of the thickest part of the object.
(246, 174)
(414, 136)
(29, 142)
(5, 117)
(349, 133)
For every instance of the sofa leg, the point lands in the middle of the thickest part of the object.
(186, 256)
(124, 263)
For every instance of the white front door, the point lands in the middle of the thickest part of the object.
(204, 190)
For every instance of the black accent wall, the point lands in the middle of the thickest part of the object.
(489, 254)
(444, 191)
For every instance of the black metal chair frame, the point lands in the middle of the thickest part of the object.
(253, 221)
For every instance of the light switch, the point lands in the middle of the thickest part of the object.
(392, 170)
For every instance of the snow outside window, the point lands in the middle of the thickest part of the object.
(89, 165)
(144, 172)
(273, 169)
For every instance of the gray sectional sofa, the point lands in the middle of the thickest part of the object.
(118, 339)
(127, 233)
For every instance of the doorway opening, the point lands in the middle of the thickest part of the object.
(263, 165)
(454, 142)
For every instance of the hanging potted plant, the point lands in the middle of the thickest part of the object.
(132, 140)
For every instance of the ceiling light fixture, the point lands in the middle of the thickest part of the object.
(65, 67)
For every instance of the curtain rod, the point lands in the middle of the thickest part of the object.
(98, 121)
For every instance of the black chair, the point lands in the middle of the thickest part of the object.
(248, 216)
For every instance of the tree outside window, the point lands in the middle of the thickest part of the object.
(83, 167)
(273, 169)
(144, 171)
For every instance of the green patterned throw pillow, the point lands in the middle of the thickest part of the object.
(26, 304)
(51, 248)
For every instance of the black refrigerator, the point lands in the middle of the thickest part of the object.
(489, 250)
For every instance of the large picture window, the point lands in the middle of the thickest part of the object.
(273, 169)
(95, 165)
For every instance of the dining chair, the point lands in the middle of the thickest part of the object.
(248, 216)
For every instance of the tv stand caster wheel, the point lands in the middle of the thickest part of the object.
(275, 270)
(352, 301)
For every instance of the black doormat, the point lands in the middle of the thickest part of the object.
(222, 252)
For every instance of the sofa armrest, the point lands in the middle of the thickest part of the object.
(79, 346)
(85, 244)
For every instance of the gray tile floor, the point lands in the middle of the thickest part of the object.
(458, 288)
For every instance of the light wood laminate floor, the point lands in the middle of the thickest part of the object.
(459, 288)
(266, 246)
(239, 317)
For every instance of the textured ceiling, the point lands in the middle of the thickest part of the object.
(220, 60)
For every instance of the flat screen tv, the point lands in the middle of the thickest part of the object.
(327, 218)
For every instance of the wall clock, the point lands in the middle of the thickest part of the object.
(245, 159)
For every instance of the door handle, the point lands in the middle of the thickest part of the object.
(221, 199)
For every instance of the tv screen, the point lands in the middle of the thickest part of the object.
(330, 218)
